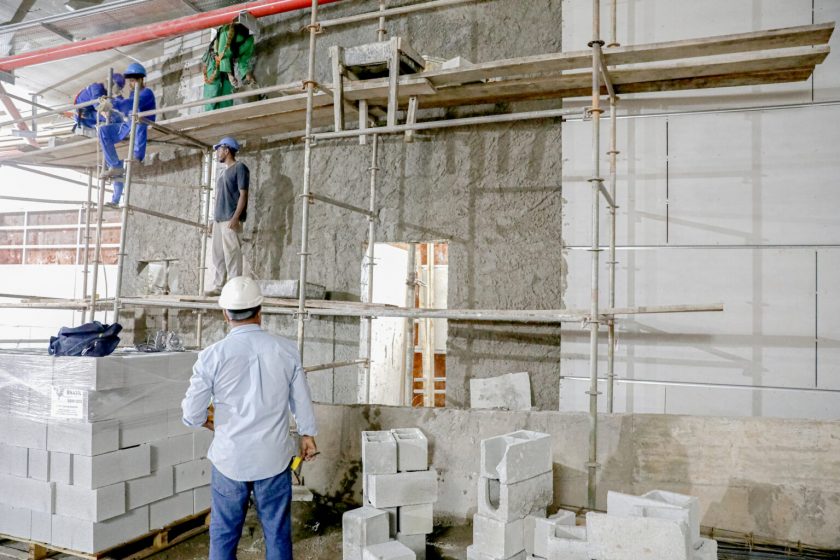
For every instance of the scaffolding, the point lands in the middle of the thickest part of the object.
(605, 70)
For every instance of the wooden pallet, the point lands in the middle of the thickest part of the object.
(12, 548)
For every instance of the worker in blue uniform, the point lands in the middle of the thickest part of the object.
(111, 134)
(85, 117)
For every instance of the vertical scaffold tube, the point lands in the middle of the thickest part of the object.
(307, 178)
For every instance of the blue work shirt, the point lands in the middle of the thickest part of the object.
(145, 103)
(86, 116)
(254, 379)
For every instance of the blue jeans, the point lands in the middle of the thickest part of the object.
(109, 136)
(229, 503)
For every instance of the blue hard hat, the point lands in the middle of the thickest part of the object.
(135, 69)
(119, 80)
(228, 141)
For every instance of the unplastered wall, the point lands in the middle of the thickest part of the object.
(734, 207)
(746, 472)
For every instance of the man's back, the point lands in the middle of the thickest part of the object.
(254, 379)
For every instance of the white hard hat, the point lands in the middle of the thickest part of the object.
(240, 293)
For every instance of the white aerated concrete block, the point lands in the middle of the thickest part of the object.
(379, 453)
(201, 443)
(91, 505)
(412, 449)
(474, 554)
(362, 527)
(39, 464)
(498, 539)
(41, 527)
(152, 488)
(171, 509)
(61, 467)
(706, 551)
(415, 520)
(110, 468)
(23, 432)
(201, 499)
(171, 451)
(14, 460)
(515, 457)
(417, 543)
(83, 438)
(26, 493)
(568, 543)
(391, 550)
(660, 504)
(545, 528)
(689, 503)
(15, 521)
(175, 424)
(142, 429)
(507, 502)
(86, 536)
(393, 521)
(192, 475)
(634, 538)
(511, 391)
(402, 489)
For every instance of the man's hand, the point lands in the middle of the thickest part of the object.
(235, 225)
(308, 449)
(209, 425)
(105, 104)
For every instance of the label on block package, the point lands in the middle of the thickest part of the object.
(67, 403)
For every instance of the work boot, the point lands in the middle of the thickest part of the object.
(112, 204)
(112, 173)
(216, 292)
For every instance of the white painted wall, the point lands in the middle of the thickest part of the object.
(738, 207)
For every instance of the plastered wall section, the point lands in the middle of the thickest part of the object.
(735, 208)
(491, 192)
(739, 468)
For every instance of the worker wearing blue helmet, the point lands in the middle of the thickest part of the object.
(232, 188)
(85, 117)
(111, 134)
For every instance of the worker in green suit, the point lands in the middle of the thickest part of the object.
(228, 63)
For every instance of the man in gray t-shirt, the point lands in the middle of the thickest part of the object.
(231, 206)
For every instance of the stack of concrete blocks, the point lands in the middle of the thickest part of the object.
(514, 488)
(399, 490)
(93, 452)
(658, 525)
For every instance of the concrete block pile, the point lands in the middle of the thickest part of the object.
(655, 526)
(399, 492)
(515, 486)
(93, 452)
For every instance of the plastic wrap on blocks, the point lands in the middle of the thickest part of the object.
(37, 386)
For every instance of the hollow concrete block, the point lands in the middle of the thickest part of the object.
(507, 502)
(516, 456)
(379, 453)
(568, 543)
(544, 528)
(498, 539)
(415, 520)
(662, 505)
(402, 489)
(391, 550)
(412, 449)
(362, 527)
(635, 538)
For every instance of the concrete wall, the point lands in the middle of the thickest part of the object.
(735, 208)
(749, 473)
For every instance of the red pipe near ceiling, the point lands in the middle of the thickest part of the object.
(153, 31)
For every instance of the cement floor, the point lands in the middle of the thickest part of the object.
(316, 532)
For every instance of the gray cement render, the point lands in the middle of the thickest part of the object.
(734, 208)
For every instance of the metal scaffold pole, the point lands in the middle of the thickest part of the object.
(613, 153)
(596, 184)
(307, 177)
(204, 218)
(127, 194)
(86, 259)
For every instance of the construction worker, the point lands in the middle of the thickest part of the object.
(231, 210)
(111, 134)
(228, 63)
(253, 379)
(85, 118)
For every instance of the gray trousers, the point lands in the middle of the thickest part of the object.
(227, 254)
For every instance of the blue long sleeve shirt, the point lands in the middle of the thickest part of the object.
(86, 116)
(254, 380)
(146, 102)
